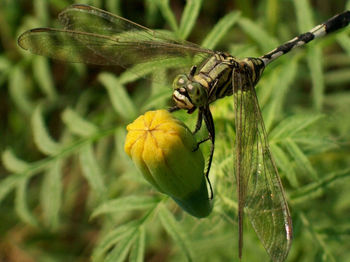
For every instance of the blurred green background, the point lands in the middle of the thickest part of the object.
(68, 192)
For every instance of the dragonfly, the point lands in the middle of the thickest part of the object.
(94, 36)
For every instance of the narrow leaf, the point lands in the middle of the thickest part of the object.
(151, 10)
(51, 195)
(12, 163)
(337, 77)
(41, 10)
(284, 163)
(168, 14)
(272, 13)
(5, 63)
(304, 15)
(321, 184)
(78, 125)
(7, 185)
(42, 138)
(300, 158)
(125, 204)
(137, 253)
(175, 230)
(43, 76)
(119, 253)
(292, 125)
(21, 205)
(18, 89)
(344, 41)
(114, 7)
(315, 63)
(285, 80)
(305, 23)
(92, 171)
(120, 99)
(189, 17)
(220, 30)
(265, 41)
(112, 238)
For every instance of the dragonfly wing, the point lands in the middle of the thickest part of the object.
(86, 18)
(95, 36)
(260, 191)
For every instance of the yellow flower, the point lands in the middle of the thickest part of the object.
(162, 148)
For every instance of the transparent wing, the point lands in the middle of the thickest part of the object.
(94, 36)
(260, 191)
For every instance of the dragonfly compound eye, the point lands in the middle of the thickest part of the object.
(197, 93)
(180, 81)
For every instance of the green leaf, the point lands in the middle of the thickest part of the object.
(114, 6)
(41, 11)
(120, 99)
(151, 12)
(21, 205)
(220, 30)
(272, 13)
(189, 17)
(292, 125)
(12, 162)
(5, 63)
(344, 41)
(175, 230)
(51, 195)
(113, 237)
(124, 204)
(137, 253)
(324, 248)
(315, 62)
(284, 163)
(304, 15)
(78, 125)
(305, 23)
(119, 138)
(265, 41)
(7, 185)
(120, 251)
(301, 160)
(321, 185)
(19, 90)
(337, 77)
(42, 138)
(284, 81)
(92, 171)
(43, 76)
(168, 14)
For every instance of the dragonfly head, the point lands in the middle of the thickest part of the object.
(189, 94)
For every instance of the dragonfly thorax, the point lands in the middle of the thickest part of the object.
(188, 93)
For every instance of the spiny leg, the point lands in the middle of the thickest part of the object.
(199, 121)
(208, 119)
(173, 109)
(198, 127)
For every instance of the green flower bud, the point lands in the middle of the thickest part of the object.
(162, 148)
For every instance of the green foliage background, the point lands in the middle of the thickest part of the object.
(68, 192)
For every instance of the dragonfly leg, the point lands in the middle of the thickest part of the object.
(173, 109)
(199, 123)
(208, 119)
(198, 127)
(200, 142)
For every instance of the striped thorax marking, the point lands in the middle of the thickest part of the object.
(214, 80)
